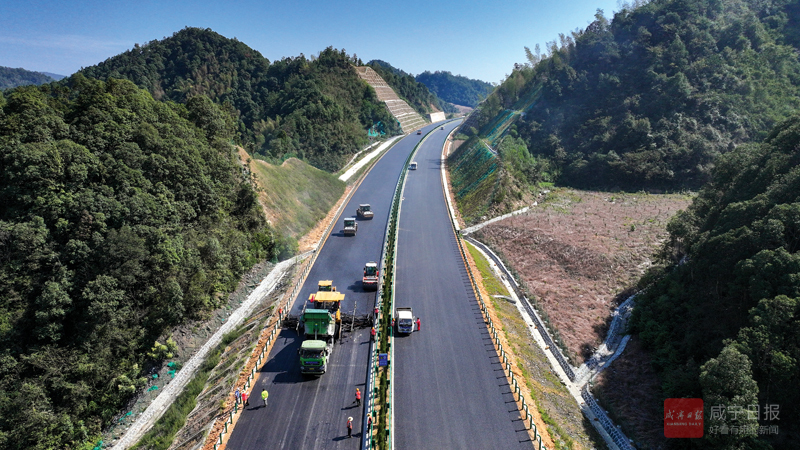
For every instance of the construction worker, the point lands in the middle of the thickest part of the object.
(349, 427)
(264, 395)
(418, 323)
(372, 333)
(358, 397)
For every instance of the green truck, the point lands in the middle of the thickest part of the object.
(320, 320)
(319, 328)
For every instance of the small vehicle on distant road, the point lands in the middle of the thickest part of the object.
(419, 132)
(412, 166)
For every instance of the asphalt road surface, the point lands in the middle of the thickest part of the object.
(450, 390)
(311, 413)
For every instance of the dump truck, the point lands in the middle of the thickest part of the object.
(404, 320)
(319, 329)
(371, 273)
(321, 321)
(350, 226)
(364, 211)
(314, 357)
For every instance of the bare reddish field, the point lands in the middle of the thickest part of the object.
(580, 253)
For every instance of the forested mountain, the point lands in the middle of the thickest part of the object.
(10, 78)
(316, 109)
(724, 323)
(455, 89)
(409, 89)
(648, 100)
(120, 216)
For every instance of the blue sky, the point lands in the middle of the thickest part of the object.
(476, 39)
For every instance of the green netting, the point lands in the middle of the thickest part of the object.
(152, 388)
(172, 373)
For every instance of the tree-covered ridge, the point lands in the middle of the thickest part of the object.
(724, 323)
(409, 89)
(649, 99)
(120, 216)
(316, 109)
(10, 78)
(455, 89)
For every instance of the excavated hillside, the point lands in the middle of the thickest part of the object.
(409, 119)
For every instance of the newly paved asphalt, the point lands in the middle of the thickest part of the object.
(311, 413)
(450, 390)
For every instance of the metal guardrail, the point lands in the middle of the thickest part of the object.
(605, 422)
(284, 304)
(385, 307)
(516, 390)
(562, 361)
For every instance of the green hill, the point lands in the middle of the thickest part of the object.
(10, 78)
(722, 319)
(651, 98)
(120, 216)
(455, 89)
(315, 108)
(416, 94)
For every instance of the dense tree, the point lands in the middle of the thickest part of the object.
(120, 216)
(455, 89)
(415, 93)
(727, 382)
(734, 293)
(649, 99)
(315, 108)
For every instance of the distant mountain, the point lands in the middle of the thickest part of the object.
(317, 109)
(55, 76)
(416, 94)
(392, 69)
(10, 78)
(456, 89)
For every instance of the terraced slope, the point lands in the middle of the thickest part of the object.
(409, 119)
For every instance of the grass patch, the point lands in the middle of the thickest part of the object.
(160, 437)
(492, 285)
(296, 195)
(557, 407)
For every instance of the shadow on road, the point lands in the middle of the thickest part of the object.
(286, 363)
